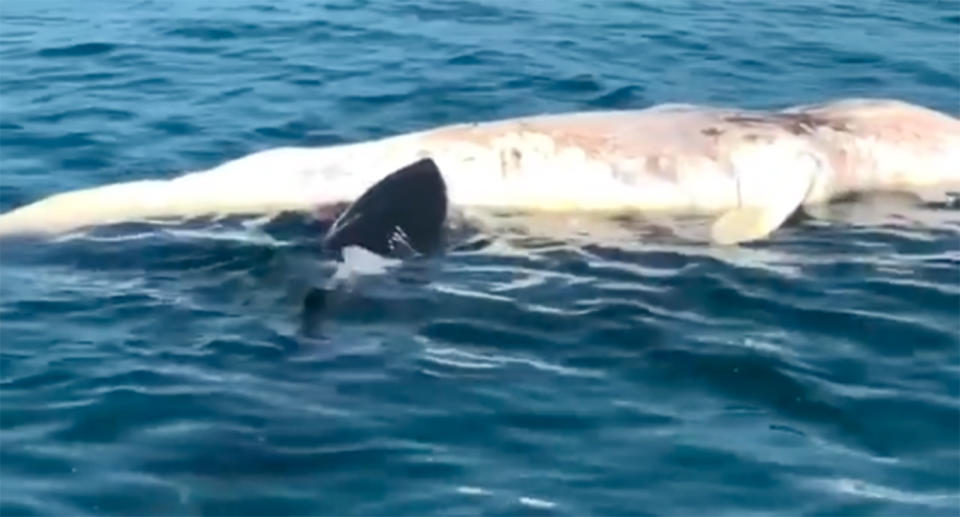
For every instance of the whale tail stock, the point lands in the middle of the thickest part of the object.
(145, 200)
(266, 182)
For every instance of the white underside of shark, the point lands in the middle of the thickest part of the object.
(751, 169)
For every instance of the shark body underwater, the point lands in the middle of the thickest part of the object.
(749, 170)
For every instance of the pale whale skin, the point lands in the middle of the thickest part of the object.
(750, 168)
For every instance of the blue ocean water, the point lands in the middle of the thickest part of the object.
(167, 372)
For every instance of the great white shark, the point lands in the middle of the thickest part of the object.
(749, 169)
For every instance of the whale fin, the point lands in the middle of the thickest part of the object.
(402, 214)
(745, 224)
(766, 205)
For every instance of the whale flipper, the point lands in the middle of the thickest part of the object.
(768, 199)
(745, 224)
(401, 214)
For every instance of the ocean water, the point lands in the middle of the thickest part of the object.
(174, 371)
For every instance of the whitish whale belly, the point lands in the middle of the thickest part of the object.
(752, 168)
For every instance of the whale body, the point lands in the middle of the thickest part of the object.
(751, 169)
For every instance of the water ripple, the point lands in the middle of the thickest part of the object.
(78, 50)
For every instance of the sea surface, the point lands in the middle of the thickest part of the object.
(173, 370)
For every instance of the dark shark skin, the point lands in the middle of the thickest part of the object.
(405, 211)
(401, 216)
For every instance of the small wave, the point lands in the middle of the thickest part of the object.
(861, 488)
(476, 360)
(203, 33)
(78, 50)
(623, 97)
(84, 113)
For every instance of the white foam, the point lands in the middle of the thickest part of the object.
(861, 488)
(537, 503)
(359, 261)
(472, 490)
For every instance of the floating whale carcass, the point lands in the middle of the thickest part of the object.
(750, 169)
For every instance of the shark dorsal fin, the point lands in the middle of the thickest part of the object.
(402, 214)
